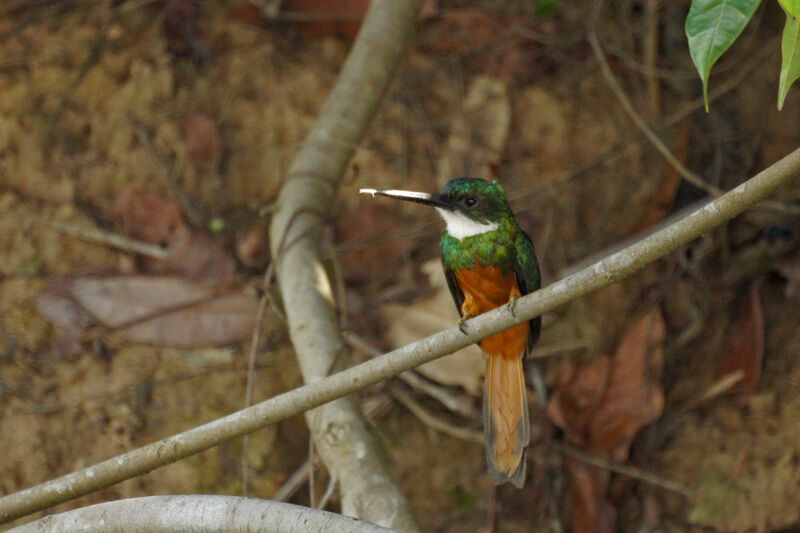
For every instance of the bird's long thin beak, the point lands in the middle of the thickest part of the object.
(411, 196)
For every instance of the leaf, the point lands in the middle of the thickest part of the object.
(160, 310)
(790, 57)
(791, 7)
(203, 140)
(745, 351)
(314, 18)
(152, 218)
(409, 323)
(712, 26)
(478, 133)
(601, 406)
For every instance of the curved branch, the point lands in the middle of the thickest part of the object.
(347, 446)
(600, 274)
(201, 513)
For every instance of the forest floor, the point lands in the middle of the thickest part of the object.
(171, 125)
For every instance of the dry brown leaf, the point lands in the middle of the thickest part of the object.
(342, 18)
(167, 311)
(478, 133)
(152, 218)
(252, 246)
(147, 216)
(202, 139)
(601, 406)
(409, 323)
(745, 351)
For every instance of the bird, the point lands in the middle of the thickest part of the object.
(489, 261)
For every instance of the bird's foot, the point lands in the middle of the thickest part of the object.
(461, 324)
(512, 306)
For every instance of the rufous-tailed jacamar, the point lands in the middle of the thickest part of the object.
(488, 262)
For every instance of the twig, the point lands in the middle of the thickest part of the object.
(251, 365)
(651, 56)
(603, 273)
(620, 468)
(457, 403)
(194, 214)
(248, 395)
(95, 235)
(95, 53)
(432, 421)
(328, 492)
(616, 88)
(294, 482)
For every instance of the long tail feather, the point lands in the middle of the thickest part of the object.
(505, 419)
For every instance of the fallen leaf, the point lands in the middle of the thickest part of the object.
(147, 216)
(745, 351)
(58, 306)
(162, 310)
(478, 133)
(152, 218)
(315, 18)
(601, 406)
(408, 323)
(252, 247)
(196, 255)
(202, 139)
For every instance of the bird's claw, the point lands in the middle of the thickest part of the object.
(512, 306)
(461, 324)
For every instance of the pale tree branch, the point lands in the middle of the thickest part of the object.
(197, 513)
(604, 272)
(349, 449)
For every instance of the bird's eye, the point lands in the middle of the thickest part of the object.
(470, 201)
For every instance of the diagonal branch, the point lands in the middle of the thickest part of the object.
(350, 450)
(604, 272)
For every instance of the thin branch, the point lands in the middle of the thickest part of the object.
(341, 436)
(460, 404)
(210, 514)
(619, 468)
(94, 235)
(604, 272)
(613, 83)
(432, 421)
(251, 370)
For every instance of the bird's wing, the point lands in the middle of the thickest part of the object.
(455, 290)
(526, 269)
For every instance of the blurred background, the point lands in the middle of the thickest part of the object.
(142, 147)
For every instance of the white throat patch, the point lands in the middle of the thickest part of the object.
(461, 226)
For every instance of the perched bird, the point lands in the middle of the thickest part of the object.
(488, 262)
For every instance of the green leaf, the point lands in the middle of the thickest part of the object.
(792, 7)
(712, 26)
(790, 57)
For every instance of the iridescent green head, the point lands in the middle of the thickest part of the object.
(480, 200)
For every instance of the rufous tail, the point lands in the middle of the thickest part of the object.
(505, 419)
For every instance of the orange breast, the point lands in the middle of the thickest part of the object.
(487, 287)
